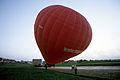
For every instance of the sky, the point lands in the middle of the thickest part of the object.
(17, 18)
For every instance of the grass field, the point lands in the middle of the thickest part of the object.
(92, 63)
(28, 72)
(96, 74)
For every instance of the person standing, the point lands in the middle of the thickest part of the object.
(75, 68)
(46, 66)
(72, 67)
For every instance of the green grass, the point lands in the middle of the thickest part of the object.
(99, 64)
(28, 72)
(92, 63)
(95, 74)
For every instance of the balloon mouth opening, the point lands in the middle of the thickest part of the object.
(50, 65)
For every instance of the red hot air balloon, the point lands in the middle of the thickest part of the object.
(61, 33)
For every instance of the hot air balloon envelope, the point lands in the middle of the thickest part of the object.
(61, 33)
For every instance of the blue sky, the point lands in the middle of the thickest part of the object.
(17, 20)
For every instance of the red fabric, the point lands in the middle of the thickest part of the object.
(58, 27)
